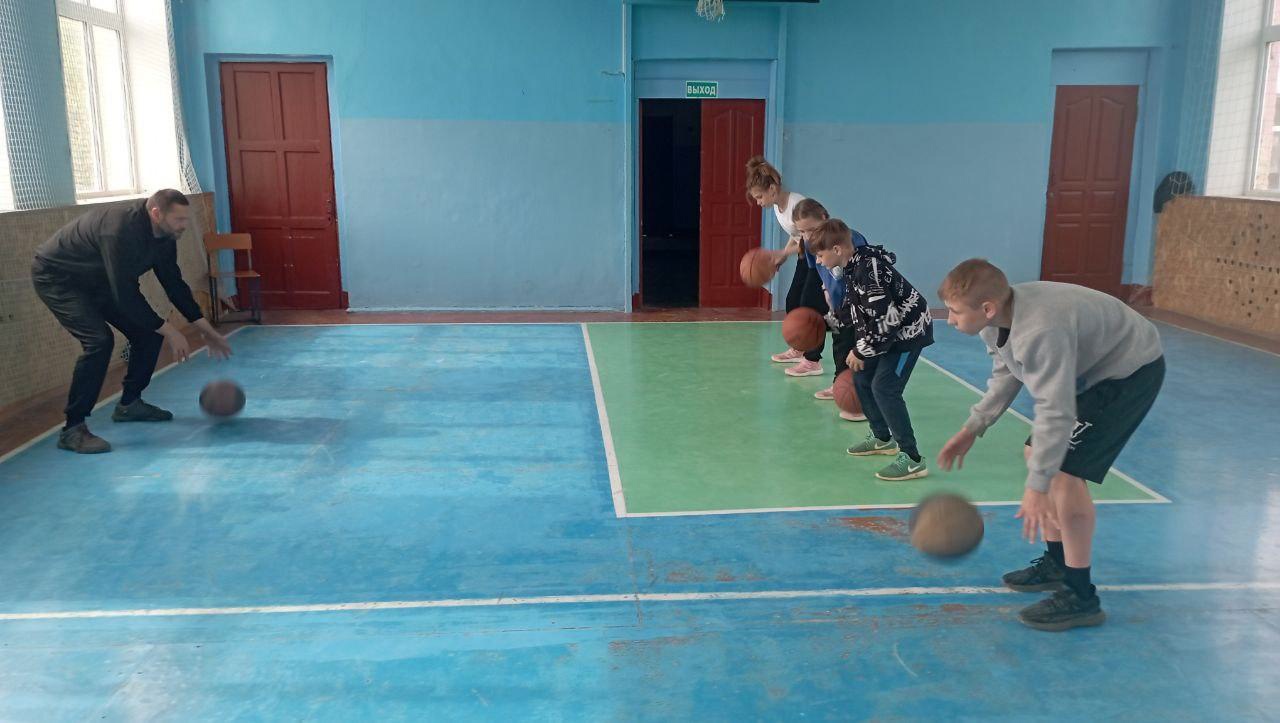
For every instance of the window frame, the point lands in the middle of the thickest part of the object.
(89, 16)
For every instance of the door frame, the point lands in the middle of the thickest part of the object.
(221, 184)
(744, 79)
(1144, 67)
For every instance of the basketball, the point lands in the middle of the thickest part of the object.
(222, 398)
(757, 267)
(803, 328)
(945, 525)
(846, 395)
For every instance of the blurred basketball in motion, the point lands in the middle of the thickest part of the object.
(757, 267)
(946, 525)
(803, 328)
(222, 398)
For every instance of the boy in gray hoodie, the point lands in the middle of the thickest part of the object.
(1094, 367)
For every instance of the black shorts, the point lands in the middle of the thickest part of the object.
(1106, 416)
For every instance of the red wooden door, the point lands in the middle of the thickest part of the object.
(280, 174)
(729, 222)
(1088, 197)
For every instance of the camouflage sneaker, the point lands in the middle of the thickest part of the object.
(1062, 611)
(140, 411)
(80, 440)
(1044, 574)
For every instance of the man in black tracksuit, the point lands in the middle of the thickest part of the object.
(87, 274)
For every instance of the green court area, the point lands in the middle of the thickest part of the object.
(701, 421)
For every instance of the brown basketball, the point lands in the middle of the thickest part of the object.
(757, 267)
(846, 395)
(803, 328)
(945, 525)
(222, 398)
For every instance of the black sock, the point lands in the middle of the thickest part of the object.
(914, 454)
(1077, 578)
(1055, 552)
(128, 398)
(71, 424)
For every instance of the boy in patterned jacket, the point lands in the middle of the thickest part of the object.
(890, 324)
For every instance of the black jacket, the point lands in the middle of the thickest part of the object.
(107, 249)
(886, 313)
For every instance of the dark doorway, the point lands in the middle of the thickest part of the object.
(670, 174)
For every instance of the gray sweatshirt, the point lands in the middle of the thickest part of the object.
(1064, 339)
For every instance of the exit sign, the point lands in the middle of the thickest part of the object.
(701, 89)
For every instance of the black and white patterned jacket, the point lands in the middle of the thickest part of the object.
(881, 307)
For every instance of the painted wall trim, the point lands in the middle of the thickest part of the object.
(630, 209)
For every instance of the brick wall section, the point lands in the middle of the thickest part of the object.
(1218, 259)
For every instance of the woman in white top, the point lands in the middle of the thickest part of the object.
(764, 185)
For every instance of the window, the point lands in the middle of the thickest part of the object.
(98, 111)
(6, 179)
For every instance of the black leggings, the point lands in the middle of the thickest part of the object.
(86, 313)
(806, 290)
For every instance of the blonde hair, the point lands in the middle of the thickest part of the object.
(810, 208)
(829, 235)
(762, 175)
(975, 281)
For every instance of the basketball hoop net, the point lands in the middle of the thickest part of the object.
(712, 10)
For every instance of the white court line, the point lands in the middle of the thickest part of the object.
(856, 507)
(566, 322)
(611, 457)
(1157, 497)
(58, 427)
(610, 598)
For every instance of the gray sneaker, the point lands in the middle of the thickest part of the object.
(140, 411)
(80, 440)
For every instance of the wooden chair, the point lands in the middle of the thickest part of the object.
(215, 243)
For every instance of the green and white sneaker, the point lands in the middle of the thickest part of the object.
(904, 468)
(871, 445)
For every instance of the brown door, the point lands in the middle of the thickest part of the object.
(729, 222)
(1088, 198)
(280, 173)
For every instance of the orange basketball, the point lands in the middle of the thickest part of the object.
(803, 328)
(757, 267)
(846, 395)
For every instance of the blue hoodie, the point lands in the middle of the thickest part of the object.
(834, 287)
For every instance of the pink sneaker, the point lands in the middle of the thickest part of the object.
(805, 368)
(788, 357)
(846, 416)
(825, 395)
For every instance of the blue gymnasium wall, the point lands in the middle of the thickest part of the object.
(481, 146)
(478, 142)
(932, 131)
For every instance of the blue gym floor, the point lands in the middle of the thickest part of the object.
(416, 522)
